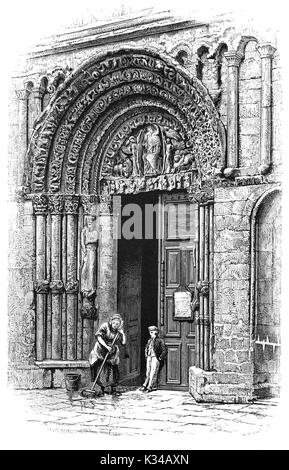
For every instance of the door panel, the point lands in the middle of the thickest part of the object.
(174, 364)
(129, 306)
(178, 258)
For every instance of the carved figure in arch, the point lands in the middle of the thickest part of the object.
(89, 240)
(152, 146)
(168, 162)
(123, 165)
(183, 160)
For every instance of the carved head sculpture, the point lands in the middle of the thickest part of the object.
(89, 220)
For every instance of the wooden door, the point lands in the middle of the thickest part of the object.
(178, 265)
(129, 306)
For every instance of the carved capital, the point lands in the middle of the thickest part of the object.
(55, 203)
(230, 172)
(105, 203)
(71, 287)
(71, 204)
(204, 288)
(233, 58)
(40, 204)
(88, 203)
(22, 94)
(266, 50)
(201, 194)
(56, 286)
(41, 286)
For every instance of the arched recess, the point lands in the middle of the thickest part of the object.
(95, 110)
(266, 291)
(82, 152)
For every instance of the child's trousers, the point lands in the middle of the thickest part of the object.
(152, 370)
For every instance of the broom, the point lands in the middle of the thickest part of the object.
(91, 392)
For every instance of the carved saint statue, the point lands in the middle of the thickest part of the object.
(89, 239)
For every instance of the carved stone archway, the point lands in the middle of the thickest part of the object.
(76, 162)
(97, 108)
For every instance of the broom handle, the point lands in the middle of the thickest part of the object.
(104, 360)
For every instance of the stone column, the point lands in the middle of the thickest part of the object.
(22, 96)
(266, 52)
(205, 290)
(56, 284)
(200, 325)
(71, 209)
(34, 107)
(203, 287)
(233, 61)
(41, 282)
(108, 243)
(211, 279)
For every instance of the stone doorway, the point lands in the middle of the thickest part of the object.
(137, 284)
(157, 257)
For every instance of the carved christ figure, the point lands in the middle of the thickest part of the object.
(152, 150)
(89, 239)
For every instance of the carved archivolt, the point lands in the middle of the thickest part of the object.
(127, 114)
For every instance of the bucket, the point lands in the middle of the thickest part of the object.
(72, 381)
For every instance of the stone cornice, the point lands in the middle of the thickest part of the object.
(109, 34)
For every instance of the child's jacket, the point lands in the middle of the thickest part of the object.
(159, 348)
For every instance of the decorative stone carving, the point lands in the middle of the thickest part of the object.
(153, 150)
(56, 203)
(89, 241)
(88, 203)
(105, 201)
(40, 204)
(71, 287)
(42, 286)
(56, 286)
(89, 95)
(71, 204)
(201, 193)
(134, 185)
(58, 76)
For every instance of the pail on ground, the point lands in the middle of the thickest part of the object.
(72, 381)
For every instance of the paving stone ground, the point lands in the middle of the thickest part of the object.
(137, 414)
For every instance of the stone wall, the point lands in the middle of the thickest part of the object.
(234, 361)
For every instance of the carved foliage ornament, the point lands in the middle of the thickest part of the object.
(106, 75)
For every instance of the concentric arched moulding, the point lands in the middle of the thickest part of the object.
(131, 115)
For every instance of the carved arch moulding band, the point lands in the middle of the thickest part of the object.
(127, 118)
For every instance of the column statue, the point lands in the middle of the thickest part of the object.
(89, 241)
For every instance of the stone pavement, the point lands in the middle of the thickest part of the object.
(137, 414)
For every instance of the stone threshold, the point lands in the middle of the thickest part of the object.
(59, 364)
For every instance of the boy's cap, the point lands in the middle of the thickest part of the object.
(153, 328)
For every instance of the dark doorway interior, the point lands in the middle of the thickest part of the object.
(137, 290)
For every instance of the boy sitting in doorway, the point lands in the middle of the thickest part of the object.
(155, 352)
